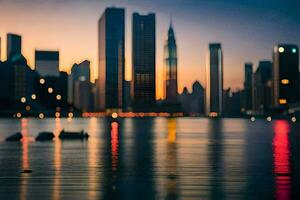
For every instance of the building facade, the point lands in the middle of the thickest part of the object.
(170, 61)
(144, 61)
(247, 93)
(214, 80)
(47, 63)
(111, 71)
(261, 93)
(285, 79)
(14, 45)
(81, 72)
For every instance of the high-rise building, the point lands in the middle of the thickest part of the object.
(143, 61)
(0, 51)
(285, 72)
(247, 93)
(261, 93)
(82, 91)
(47, 63)
(170, 60)
(80, 72)
(14, 45)
(111, 69)
(214, 80)
(52, 91)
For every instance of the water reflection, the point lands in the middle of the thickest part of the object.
(93, 161)
(25, 161)
(153, 158)
(216, 159)
(111, 175)
(114, 135)
(139, 182)
(282, 166)
(172, 188)
(57, 161)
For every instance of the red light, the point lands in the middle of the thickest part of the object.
(281, 154)
(114, 144)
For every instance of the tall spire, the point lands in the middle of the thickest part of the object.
(171, 31)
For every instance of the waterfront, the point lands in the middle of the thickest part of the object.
(152, 158)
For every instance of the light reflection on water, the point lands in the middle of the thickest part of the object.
(151, 158)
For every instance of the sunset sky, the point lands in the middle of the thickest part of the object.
(247, 29)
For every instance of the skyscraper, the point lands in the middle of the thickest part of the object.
(14, 45)
(79, 72)
(262, 87)
(214, 80)
(47, 63)
(111, 58)
(143, 60)
(170, 81)
(247, 93)
(0, 51)
(285, 75)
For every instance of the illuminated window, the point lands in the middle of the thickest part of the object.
(42, 81)
(282, 101)
(281, 49)
(33, 96)
(57, 114)
(41, 115)
(19, 115)
(213, 114)
(70, 114)
(50, 90)
(114, 115)
(23, 99)
(285, 81)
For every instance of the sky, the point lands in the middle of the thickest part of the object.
(247, 30)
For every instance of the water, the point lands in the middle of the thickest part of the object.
(152, 158)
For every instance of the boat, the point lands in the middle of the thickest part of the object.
(66, 135)
(15, 137)
(45, 136)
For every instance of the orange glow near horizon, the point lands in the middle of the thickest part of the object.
(281, 156)
(76, 39)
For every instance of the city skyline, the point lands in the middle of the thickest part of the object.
(191, 63)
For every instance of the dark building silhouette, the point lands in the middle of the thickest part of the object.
(285, 75)
(52, 92)
(14, 45)
(16, 84)
(79, 72)
(171, 85)
(82, 91)
(0, 51)
(193, 103)
(47, 63)
(214, 80)
(127, 96)
(23, 77)
(232, 103)
(143, 61)
(262, 87)
(111, 43)
(247, 93)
